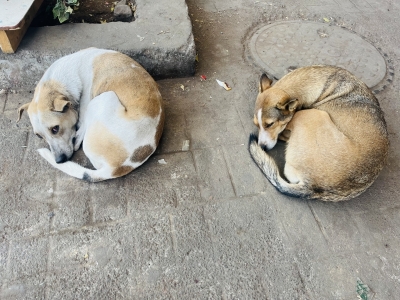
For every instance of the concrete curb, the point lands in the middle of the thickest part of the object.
(160, 39)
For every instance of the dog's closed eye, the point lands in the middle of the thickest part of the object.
(39, 136)
(55, 129)
(269, 125)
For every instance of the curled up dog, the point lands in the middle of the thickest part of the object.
(114, 103)
(337, 141)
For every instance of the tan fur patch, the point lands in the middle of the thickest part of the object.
(142, 153)
(44, 95)
(103, 143)
(121, 171)
(136, 89)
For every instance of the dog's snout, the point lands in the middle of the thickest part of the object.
(61, 158)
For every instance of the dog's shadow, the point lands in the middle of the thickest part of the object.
(80, 158)
(278, 154)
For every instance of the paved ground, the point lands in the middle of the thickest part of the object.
(207, 224)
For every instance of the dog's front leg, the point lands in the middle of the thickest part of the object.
(80, 134)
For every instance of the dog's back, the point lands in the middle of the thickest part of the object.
(357, 114)
(135, 88)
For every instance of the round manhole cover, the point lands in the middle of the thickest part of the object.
(284, 45)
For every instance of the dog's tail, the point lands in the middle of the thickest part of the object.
(76, 170)
(300, 190)
(268, 166)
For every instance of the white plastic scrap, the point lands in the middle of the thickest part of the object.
(162, 161)
(185, 145)
(224, 85)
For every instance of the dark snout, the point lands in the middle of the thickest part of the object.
(62, 154)
(62, 158)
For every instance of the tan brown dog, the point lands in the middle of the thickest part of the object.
(337, 141)
(113, 101)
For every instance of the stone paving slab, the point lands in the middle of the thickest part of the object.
(165, 48)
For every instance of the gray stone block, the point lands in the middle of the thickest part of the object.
(101, 259)
(215, 180)
(248, 245)
(198, 271)
(122, 12)
(71, 208)
(4, 246)
(15, 100)
(109, 201)
(28, 257)
(3, 98)
(174, 133)
(8, 121)
(28, 215)
(155, 185)
(215, 132)
(31, 287)
(246, 177)
(155, 254)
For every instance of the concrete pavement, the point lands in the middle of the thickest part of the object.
(207, 224)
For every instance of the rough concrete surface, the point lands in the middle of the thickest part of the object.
(207, 224)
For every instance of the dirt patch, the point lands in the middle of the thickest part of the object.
(88, 11)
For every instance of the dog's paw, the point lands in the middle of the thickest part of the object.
(77, 145)
(47, 155)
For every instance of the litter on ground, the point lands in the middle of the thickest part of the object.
(224, 85)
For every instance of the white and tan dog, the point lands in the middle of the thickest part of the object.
(120, 117)
(337, 141)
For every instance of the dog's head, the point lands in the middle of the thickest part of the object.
(53, 119)
(273, 111)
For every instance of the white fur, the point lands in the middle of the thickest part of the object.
(38, 93)
(264, 138)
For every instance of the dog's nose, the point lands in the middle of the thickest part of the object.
(61, 158)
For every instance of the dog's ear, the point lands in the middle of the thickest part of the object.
(61, 104)
(288, 105)
(21, 110)
(265, 83)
